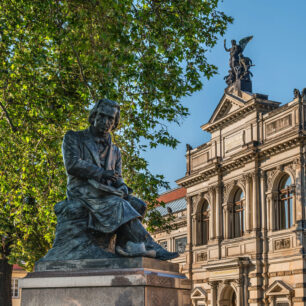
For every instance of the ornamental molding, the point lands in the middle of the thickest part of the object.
(231, 118)
(238, 282)
(291, 169)
(271, 175)
(282, 244)
(227, 189)
(213, 284)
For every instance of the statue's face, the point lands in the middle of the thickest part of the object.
(105, 119)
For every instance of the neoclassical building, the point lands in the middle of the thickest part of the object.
(176, 240)
(246, 204)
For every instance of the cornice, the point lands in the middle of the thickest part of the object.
(239, 161)
(280, 147)
(280, 109)
(250, 106)
(229, 119)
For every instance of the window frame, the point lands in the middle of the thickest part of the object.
(238, 209)
(14, 288)
(285, 204)
(205, 223)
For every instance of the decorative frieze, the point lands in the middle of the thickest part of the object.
(282, 244)
(202, 256)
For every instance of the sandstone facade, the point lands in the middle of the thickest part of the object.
(245, 214)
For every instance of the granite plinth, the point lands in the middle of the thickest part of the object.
(106, 263)
(120, 282)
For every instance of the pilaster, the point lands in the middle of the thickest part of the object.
(255, 201)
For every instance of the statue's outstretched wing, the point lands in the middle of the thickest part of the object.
(244, 41)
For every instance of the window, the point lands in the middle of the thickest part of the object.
(164, 244)
(205, 223)
(238, 214)
(15, 288)
(285, 202)
(180, 245)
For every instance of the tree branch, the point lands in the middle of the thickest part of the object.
(9, 120)
(83, 75)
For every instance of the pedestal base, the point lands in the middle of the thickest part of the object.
(133, 282)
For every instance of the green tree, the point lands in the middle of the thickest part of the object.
(56, 59)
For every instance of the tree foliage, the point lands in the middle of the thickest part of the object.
(56, 59)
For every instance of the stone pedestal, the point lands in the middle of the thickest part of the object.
(244, 85)
(109, 282)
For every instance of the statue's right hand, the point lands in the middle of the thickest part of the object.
(110, 175)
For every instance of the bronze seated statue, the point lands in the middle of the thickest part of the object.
(99, 204)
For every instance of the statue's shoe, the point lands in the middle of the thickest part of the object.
(134, 250)
(161, 253)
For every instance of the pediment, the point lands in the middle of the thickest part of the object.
(228, 104)
(279, 288)
(198, 293)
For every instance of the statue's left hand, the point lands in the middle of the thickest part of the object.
(124, 189)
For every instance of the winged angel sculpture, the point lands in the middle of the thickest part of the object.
(239, 64)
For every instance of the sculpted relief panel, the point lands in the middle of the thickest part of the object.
(282, 244)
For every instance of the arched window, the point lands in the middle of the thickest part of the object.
(285, 203)
(205, 223)
(238, 218)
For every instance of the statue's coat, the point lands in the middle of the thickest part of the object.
(106, 213)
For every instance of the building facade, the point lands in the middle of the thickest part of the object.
(245, 211)
(17, 274)
(176, 240)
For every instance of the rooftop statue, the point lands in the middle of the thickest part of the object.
(99, 204)
(239, 64)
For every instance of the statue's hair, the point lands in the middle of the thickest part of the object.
(101, 103)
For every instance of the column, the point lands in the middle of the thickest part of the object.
(263, 202)
(189, 236)
(194, 229)
(218, 213)
(294, 207)
(239, 283)
(247, 204)
(255, 201)
(245, 285)
(214, 209)
(225, 220)
(230, 220)
(275, 210)
(270, 218)
(211, 223)
(272, 300)
(213, 293)
(299, 191)
(211, 214)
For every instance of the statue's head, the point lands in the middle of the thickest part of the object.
(105, 115)
(233, 42)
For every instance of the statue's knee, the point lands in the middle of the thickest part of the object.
(139, 205)
(71, 209)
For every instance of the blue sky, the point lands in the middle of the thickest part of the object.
(278, 51)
